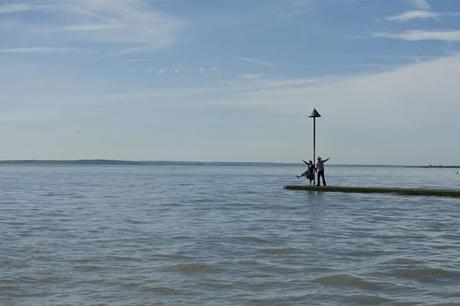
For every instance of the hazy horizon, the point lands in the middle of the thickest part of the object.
(102, 161)
(231, 80)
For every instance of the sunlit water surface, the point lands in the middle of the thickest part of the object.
(224, 235)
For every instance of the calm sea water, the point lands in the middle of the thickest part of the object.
(224, 235)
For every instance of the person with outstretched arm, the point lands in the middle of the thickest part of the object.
(320, 170)
(309, 173)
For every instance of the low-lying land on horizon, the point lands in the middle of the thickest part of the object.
(192, 163)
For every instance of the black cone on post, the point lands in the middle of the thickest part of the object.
(314, 114)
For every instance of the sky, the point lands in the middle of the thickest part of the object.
(231, 80)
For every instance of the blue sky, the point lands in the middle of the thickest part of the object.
(230, 80)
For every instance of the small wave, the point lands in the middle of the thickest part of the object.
(401, 261)
(365, 253)
(122, 258)
(355, 299)
(133, 221)
(345, 280)
(58, 194)
(453, 237)
(39, 279)
(425, 273)
(366, 300)
(87, 268)
(177, 255)
(181, 237)
(40, 294)
(82, 261)
(278, 251)
(250, 239)
(202, 201)
(77, 196)
(382, 218)
(22, 295)
(14, 223)
(9, 290)
(220, 284)
(190, 268)
(160, 290)
(250, 192)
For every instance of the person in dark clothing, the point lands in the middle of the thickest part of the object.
(320, 169)
(309, 173)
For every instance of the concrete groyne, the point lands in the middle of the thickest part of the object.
(455, 193)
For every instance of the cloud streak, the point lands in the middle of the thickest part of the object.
(248, 76)
(411, 15)
(16, 8)
(364, 112)
(128, 24)
(400, 88)
(257, 62)
(36, 50)
(419, 35)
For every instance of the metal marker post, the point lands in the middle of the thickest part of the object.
(314, 114)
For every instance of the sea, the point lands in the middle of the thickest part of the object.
(224, 234)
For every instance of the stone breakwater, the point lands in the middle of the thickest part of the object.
(401, 191)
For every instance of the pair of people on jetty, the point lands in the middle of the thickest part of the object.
(311, 169)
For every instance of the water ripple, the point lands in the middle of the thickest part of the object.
(125, 235)
(345, 280)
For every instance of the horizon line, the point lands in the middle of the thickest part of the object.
(101, 161)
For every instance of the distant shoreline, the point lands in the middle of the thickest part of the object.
(436, 167)
(196, 163)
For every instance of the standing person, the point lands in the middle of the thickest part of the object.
(320, 169)
(310, 172)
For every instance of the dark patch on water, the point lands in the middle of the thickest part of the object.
(345, 280)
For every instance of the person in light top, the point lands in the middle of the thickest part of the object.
(320, 169)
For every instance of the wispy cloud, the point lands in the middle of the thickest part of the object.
(15, 7)
(90, 27)
(398, 93)
(411, 15)
(420, 4)
(257, 62)
(340, 96)
(363, 112)
(419, 14)
(249, 76)
(419, 35)
(128, 24)
(36, 50)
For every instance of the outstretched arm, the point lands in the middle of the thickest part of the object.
(325, 160)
